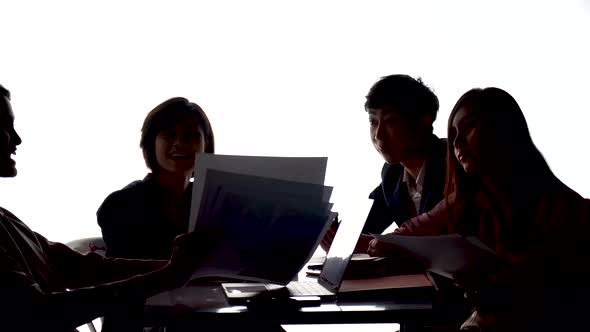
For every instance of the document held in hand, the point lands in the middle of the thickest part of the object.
(269, 219)
(448, 255)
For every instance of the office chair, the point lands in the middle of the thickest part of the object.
(89, 244)
(86, 245)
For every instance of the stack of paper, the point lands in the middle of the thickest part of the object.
(270, 214)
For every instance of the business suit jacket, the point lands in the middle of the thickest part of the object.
(391, 198)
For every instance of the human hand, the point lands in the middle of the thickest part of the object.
(378, 248)
(189, 252)
(400, 262)
(362, 245)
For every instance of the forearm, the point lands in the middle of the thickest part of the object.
(84, 304)
(432, 223)
(423, 225)
(125, 268)
(79, 270)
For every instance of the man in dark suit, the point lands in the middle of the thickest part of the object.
(401, 112)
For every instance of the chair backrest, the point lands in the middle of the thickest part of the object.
(84, 246)
(89, 244)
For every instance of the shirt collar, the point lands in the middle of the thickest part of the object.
(407, 178)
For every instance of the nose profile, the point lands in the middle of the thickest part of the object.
(379, 133)
(458, 141)
(16, 138)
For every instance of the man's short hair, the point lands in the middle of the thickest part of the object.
(408, 95)
(4, 92)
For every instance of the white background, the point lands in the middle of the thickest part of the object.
(275, 77)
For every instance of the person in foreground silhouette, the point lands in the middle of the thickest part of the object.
(500, 189)
(47, 286)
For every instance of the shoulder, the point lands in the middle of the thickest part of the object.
(8, 217)
(391, 171)
(11, 222)
(390, 174)
(127, 198)
(562, 206)
(135, 189)
(6, 214)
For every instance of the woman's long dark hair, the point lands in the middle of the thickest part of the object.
(506, 132)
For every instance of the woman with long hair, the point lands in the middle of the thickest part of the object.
(500, 189)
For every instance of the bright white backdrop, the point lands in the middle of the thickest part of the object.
(276, 78)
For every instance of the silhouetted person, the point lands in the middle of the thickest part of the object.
(36, 274)
(142, 219)
(500, 189)
(401, 112)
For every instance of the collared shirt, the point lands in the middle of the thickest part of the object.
(391, 200)
(35, 274)
(415, 187)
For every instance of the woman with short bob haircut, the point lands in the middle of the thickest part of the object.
(500, 189)
(142, 219)
(164, 116)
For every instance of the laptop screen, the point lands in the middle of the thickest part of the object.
(340, 253)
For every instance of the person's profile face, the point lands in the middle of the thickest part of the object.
(465, 136)
(9, 139)
(177, 145)
(393, 135)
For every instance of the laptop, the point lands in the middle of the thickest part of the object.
(328, 281)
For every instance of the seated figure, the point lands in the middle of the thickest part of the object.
(46, 286)
(142, 219)
(500, 189)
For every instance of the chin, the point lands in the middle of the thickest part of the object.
(8, 173)
(469, 169)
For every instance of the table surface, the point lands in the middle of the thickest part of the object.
(208, 303)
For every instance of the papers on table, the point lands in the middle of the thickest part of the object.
(448, 255)
(271, 214)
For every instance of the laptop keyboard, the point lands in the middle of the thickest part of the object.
(307, 288)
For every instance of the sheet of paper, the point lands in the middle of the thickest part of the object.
(297, 169)
(445, 254)
(305, 196)
(257, 243)
(390, 228)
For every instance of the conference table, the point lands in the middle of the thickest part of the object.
(205, 304)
